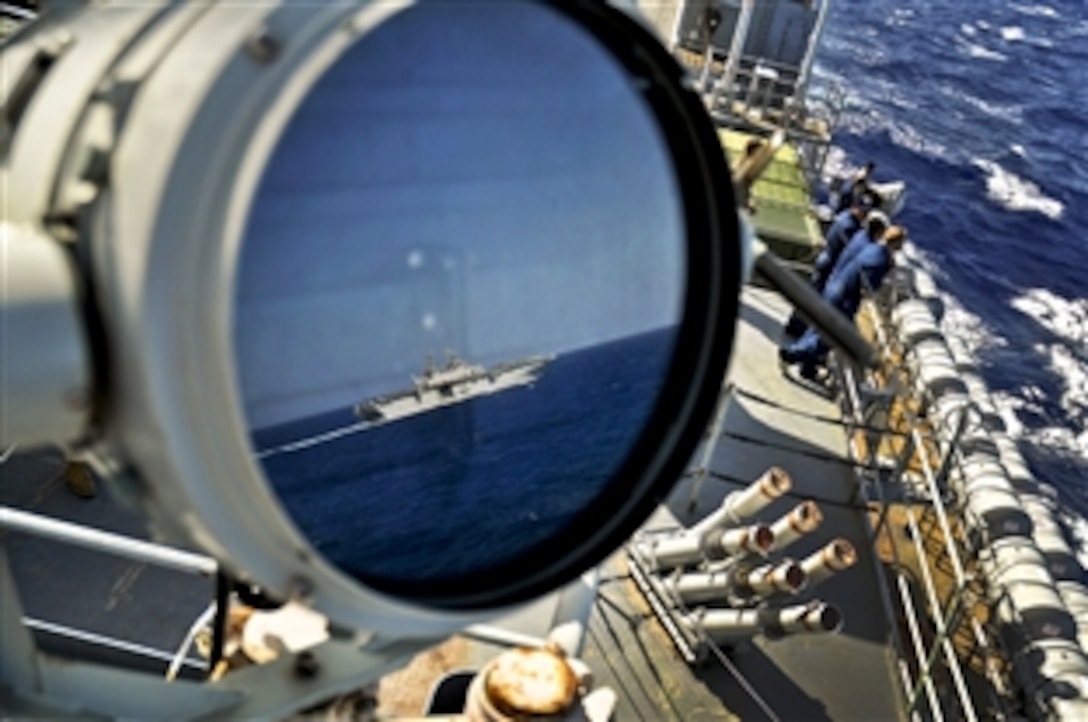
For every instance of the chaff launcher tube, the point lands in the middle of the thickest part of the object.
(724, 543)
(747, 502)
(700, 587)
(728, 625)
(801, 520)
(839, 554)
(689, 548)
(811, 617)
(786, 576)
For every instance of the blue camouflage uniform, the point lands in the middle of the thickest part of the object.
(839, 234)
(863, 264)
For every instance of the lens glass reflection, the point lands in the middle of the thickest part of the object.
(458, 290)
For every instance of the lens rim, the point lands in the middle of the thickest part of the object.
(702, 348)
(202, 130)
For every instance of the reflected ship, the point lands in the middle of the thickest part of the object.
(453, 383)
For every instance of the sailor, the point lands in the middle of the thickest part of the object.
(839, 234)
(853, 190)
(877, 226)
(751, 148)
(861, 267)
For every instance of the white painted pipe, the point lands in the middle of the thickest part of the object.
(690, 547)
(671, 551)
(724, 543)
(976, 438)
(726, 625)
(925, 287)
(836, 556)
(731, 625)
(813, 617)
(784, 577)
(995, 512)
(801, 520)
(700, 587)
(747, 502)
(1051, 540)
(107, 542)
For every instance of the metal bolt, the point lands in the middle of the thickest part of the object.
(263, 47)
(306, 665)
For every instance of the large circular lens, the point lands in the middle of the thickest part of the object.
(458, 292)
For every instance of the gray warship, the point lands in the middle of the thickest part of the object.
(454, 382)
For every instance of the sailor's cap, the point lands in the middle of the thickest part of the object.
(878, 216)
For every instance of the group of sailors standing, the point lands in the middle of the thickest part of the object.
(859, 250)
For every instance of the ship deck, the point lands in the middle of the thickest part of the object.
(844, 676)
(841, 676)
(88, 604)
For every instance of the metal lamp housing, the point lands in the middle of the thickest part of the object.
(155, 143)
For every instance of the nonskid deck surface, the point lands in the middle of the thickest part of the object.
(69, 591)
(838, 677)
(844, 676)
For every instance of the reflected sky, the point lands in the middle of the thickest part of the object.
(477, 177)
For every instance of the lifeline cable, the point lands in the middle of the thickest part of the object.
(832, 458)
(816, 417)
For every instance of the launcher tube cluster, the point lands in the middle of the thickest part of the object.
(714, 581)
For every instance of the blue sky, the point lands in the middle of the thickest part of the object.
(480, 177)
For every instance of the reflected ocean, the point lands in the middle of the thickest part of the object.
(982, 108)
(484, 478)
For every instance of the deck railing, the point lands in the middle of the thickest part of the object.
(924, 642)
(764, 95)
(950, 523)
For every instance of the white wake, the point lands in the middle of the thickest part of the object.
(1014, 193)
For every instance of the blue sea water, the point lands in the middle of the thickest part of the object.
(456, 489)
(982, 108)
